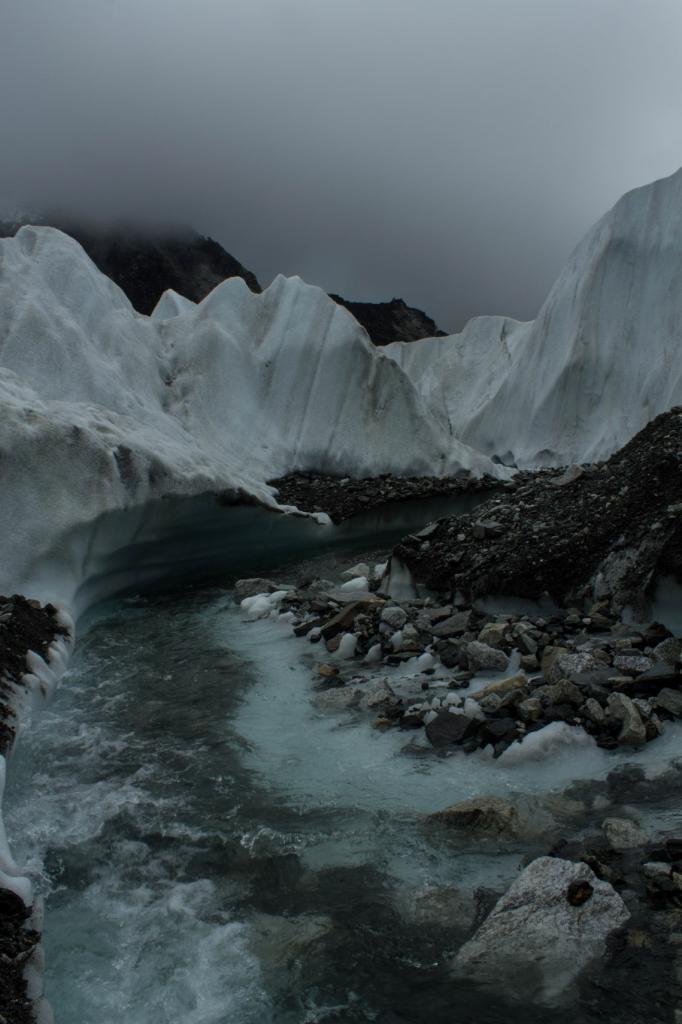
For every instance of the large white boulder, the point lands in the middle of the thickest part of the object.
(536, 940)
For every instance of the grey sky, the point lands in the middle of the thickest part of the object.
(451, 152)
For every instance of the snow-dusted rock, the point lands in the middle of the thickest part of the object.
(537, 940)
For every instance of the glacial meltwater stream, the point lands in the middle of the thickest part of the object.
(214, 850)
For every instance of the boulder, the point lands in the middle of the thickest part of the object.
(440, 613)
(450, 727)
(621, 708)
(394, 616)
(527, 644)
(499, 730)
(594, 712)
(660, 674)
(448, 654)
(632, 664)
(623, 834)
(562, 692)
(670, 701)
(480, 656)
(494, 635)
(377, 693)
(344, 619)
(356, 571)
(530, 710)
(454, 625)
(485, 529)
(536, 941)
(253, 586)
(669, 651)
(559, 663)
(501, 686)
(488, 815)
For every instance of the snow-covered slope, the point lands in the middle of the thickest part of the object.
(103, 409)
(602, 358)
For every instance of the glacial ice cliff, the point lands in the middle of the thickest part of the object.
(103, 409)
(600, 361)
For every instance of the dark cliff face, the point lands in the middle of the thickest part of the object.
(145, 264)
(391, 321)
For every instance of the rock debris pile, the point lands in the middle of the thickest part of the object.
(25, 625)
(619, 683)
(597, 893)
(609, 530)
(345, 497)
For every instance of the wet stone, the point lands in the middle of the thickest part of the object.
(454, 625)
(448, 728)
(480, 656)
(670, 701)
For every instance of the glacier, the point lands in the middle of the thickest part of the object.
(109, 418)
(105, 410)
(601, 359)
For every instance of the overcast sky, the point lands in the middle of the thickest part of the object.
(451, 152)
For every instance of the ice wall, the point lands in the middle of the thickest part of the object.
(103, 409)
(600, 361)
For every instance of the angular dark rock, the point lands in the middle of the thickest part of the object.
(386, 322)
(454, 625)
(448, 728)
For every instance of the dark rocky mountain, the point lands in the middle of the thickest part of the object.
(144, 263)
(391, 321)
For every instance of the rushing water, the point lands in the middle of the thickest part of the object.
(212, 849)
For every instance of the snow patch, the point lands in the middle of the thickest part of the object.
(548, 741)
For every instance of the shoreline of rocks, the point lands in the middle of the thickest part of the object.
(608, 531)
(345, 497)
(25, 626)
(618, 682)
(616, 891)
